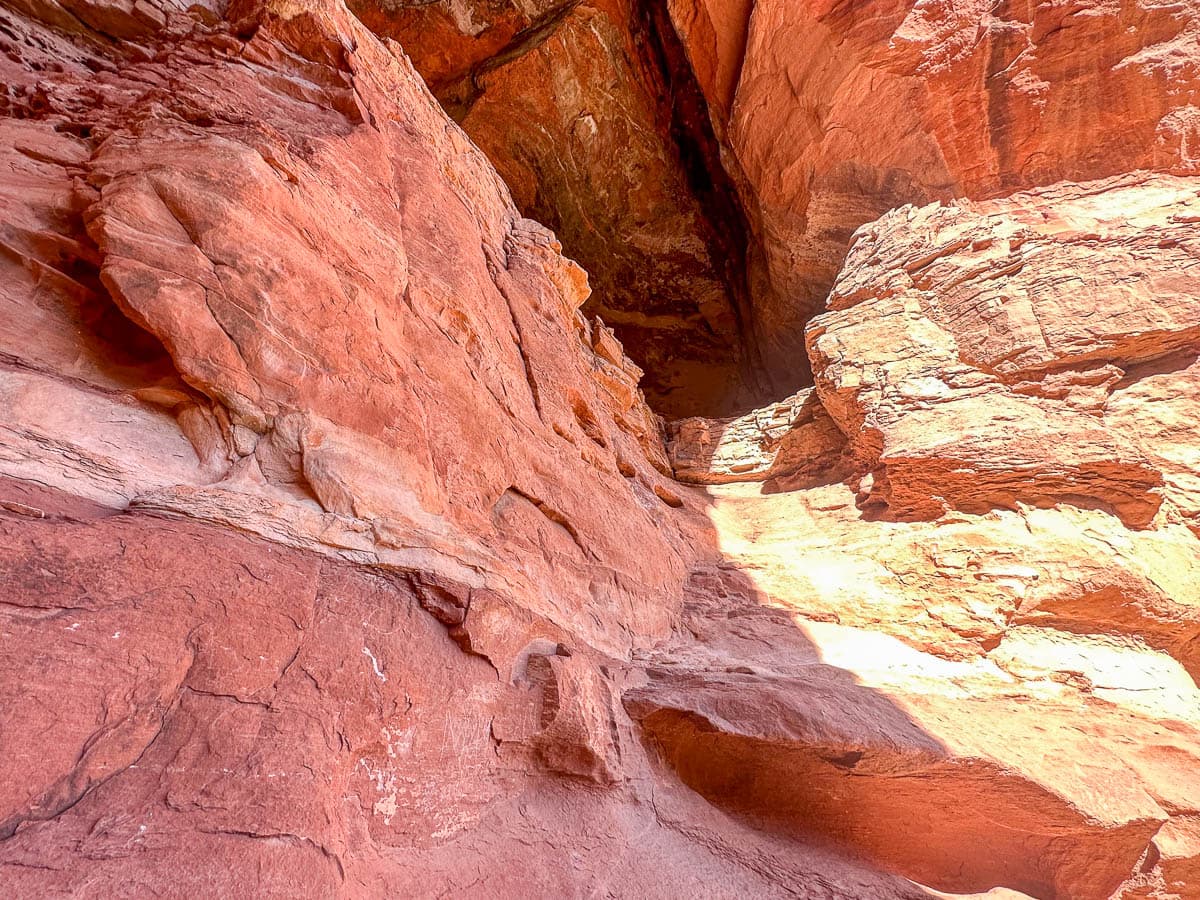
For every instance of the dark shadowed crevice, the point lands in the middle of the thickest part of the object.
(699, 154)
(642, 201)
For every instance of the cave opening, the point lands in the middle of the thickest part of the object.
(695, 144)
(593, 115)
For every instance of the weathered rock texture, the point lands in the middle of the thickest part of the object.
(782, 445)
(1011, 561)
(288, 241)
(590, 113)
(970, 351)
(842, 111)
(329, 521)
(343, 557)
(708, 162)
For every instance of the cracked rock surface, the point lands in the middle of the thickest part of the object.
(343, 556)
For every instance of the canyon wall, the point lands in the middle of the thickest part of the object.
(591, 114)
(347, 552)
(841, 111)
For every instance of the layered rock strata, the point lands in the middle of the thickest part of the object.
(838, 112)
(971, 350)
(343, 556)
(783, 445)
(321, 499)
(1008, 570)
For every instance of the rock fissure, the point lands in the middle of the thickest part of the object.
(691, 130)
(621, 159)
(926, 626)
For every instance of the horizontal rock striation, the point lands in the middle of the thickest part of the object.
(969, 351)
(783, 445)
(343, 555)
(843, 111)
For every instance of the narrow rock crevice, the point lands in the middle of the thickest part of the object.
(594, 117)
(699, 153)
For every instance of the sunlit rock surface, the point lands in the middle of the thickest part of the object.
(841, 111)
(343, 555)
(970, 350)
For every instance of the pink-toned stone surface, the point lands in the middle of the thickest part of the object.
(327, 322)
(585, 126)
(342, 557)
(235, 717)
(1003, 589)
(329, 521)
(843, 111)
(592, 116)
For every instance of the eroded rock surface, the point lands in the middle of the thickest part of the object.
(329, 520)
(216, 206)
(1002, 591)
(843, 111)
(970, 350)
(593, 118)
(716, 158)
(783, 445)
(343, 556)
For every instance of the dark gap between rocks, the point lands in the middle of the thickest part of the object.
(697, 346)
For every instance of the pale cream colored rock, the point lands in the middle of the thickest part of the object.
(953, 588)
(1156, 407)
(106, 447)
(875, 676)
(785, 443)
(968, 348)
(1015, 382)
(1178, 847)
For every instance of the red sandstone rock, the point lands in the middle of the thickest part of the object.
(845, 110)
(714, 36)
(390, 288)
(983, 360)
(784, 445)
(803, 746)
(451, 43)
(968, 348)
(261, 284)
(342, 555)
(591, 116)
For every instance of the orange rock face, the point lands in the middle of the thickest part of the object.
(593, 118)
(452, 43)
(843, 111)
(344, 556)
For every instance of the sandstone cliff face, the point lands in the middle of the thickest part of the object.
(344, 557)
(275, 330)
(843, 111)
(1010, 557)
(1018, 320)
(591, 115)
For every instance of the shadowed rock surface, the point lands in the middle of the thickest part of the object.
(343, 555)
(593, 117)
